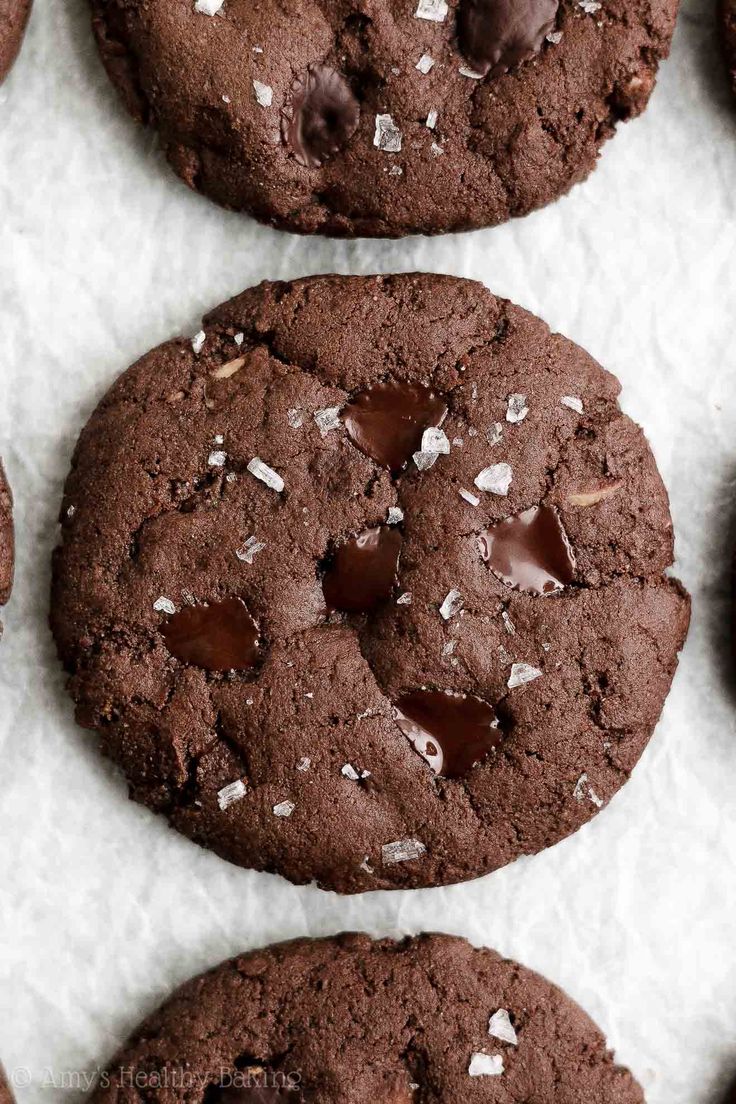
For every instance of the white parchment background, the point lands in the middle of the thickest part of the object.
(103, 254)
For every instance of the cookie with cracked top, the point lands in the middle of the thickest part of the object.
(7, 540)
(366, 584)
(386, 117)
(428, 1018)
(13, 19)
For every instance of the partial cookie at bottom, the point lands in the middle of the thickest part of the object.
(351, 1021)
(13, 18)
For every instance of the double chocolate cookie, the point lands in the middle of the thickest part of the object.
(13, 18)
(351, 1021)
(7, 540)
(383, 117)
(366, 583)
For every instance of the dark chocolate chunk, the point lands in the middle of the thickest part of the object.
(387, 421)
(221, 636)
(530, 551)
(495, 35)
(363, 571)
(453, 732)
(320, 116)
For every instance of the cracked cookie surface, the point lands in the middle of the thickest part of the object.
(7, 540)
(374, 119)
(13, 18)
(224, 511)
(350, 1021)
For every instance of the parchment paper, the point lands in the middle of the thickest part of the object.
(103, 909)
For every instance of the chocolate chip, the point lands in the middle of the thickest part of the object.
(495, 35)
(387, 421)
(320, 116)
(453, 732)
(219, 637)
(530, 551)
(363, 571)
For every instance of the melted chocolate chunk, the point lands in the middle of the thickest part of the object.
(495, 35)
(320, 116)
(530, 551)
(387, 421)
(453, 732)
(363, 571)
(220, 637)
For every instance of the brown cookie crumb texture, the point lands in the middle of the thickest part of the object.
(13, 19)
(350, 1021)
(366, 583)
(385, 117)
(7, 540)
(6, 1096)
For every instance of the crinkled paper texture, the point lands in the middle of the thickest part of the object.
(103, 253)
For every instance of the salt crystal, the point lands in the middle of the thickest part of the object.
(435, 440)
(388, 135)
(402, 851)
(304, 764)
(452, 605)
(517, 409)
(239, 338)
(208, 7)
(284, 808)
(573, 402)
(217, 459)
(436, 150)
(405, 599)
(164, 605)
(432, 118)
(500, 1027)
(522, 673)
(508, 623)
(485, 1065)
(584, 789)
(267, 475)
(198, 342)
(425, 64)
(494, 434)
(264, 93)
(470, 73)
(395, 515)
(225, 371)
(469, 497)
(328, 419)
(227, 796)
(250, 550)
(350, 772)
(496, 479)
(294, 418)
(555, 37)
(433, 10)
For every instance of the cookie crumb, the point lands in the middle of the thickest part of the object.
(228, 795)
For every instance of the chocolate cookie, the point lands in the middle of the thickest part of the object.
(365, 584)
(351, 1021)
(6, 1096)
(384, 117)
(13, 18)
(7, 540)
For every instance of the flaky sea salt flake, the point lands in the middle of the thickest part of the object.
(264, 93)
(388, 135)
(425, 460)
(228, 795)
(517, 409)
(425, 64)
(395, 515)
(284, 809)
(471, 74)
(198, 342)
(590, 7)
(501, 1027)
(164, 605)
(402, 851)
(554, 38)
(404, 599)
(349, 771)
(495, 479)
(328, 419)
(508, 623)
(208, 7)
(573, 401)
(250, 550)
(433, 10)
(583, 790)
(295, 418)
(304, 764)
(521, 673)
(216, 459)
(494, 434)
(432, 118)
(485, 1065)
(225, 371)
(469, 497)
(435, 440)
(266, 475)
(452, 605)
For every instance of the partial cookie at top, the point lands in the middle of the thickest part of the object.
(386, 117)
(7, 540)
(351, 1021)
(366, 583)
(13, 18)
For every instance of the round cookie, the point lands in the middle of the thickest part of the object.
(7, 540)
(387, 117)
(13, 18)
(352, 1021)
(365, 584)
